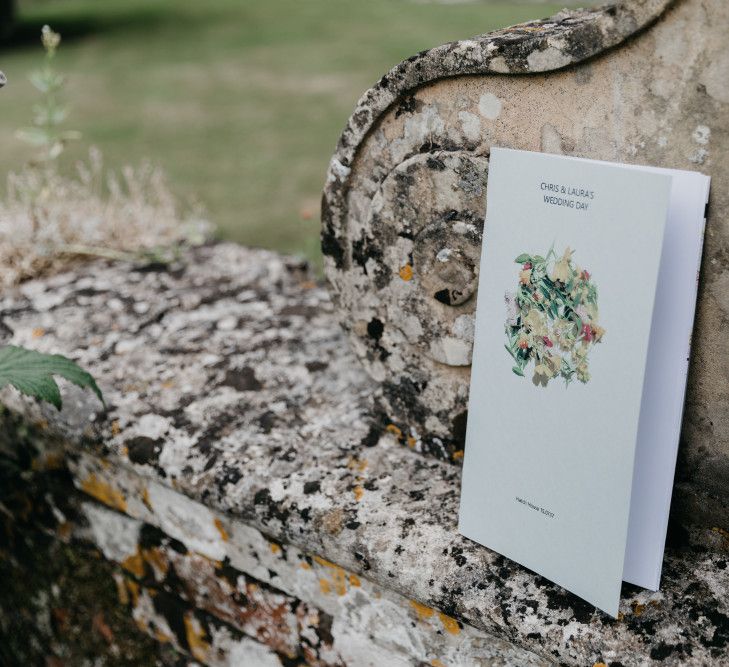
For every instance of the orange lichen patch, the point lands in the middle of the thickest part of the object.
(421, 610)
(338, 575)
(221, 529)
(38, 332)
(157, 560)
(458, 456)
(54, 460)
(104, 492)
(275, 548)
(391, 428)
(599, 664)
(406, 272)
(101, 627)
(145, 498)
(324, 562)
(411, 441)
(64, 531)
(47, 461)
(437, 663)
(358, 493)
(449, 624)
(133, 588)
(308, 284)
(196, 638)
(161, 636)
(121, 589)
(357, 464)
(168, 384)
(339, 581)
(115, 428)
(304, 565)
(134, 564)
(354, 581)
(637, 608)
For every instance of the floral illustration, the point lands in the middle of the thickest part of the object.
(552, 318)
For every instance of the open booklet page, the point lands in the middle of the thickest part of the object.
(567, 286)
(664, 387)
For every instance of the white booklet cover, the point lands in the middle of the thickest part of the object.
(586, 300)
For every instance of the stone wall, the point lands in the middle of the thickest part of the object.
(246, 504)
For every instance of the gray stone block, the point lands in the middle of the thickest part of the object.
(240, 426)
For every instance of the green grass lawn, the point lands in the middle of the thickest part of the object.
(241, 101)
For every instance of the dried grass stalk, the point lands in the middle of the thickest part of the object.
(48, 220)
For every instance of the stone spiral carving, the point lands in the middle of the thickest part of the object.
(403, 206)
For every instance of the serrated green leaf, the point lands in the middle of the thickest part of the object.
(31, 373)
(518, 371)
(523, 258)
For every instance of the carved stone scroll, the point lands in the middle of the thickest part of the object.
(637, 82)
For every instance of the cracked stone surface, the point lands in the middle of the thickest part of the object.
(637, 82)
(238, 416)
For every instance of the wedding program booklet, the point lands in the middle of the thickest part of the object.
(586, 300)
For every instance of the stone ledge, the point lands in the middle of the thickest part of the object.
(233, 397)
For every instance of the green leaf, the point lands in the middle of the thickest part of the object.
(518, 371)
(523, 258)
(46, 81)
(34, 135)
(31, 373)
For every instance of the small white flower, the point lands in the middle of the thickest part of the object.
(50, 39)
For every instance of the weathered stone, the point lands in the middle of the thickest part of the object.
(58, 599)
(290, 485)
(638, 82)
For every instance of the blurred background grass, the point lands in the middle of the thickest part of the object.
(240, 101)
